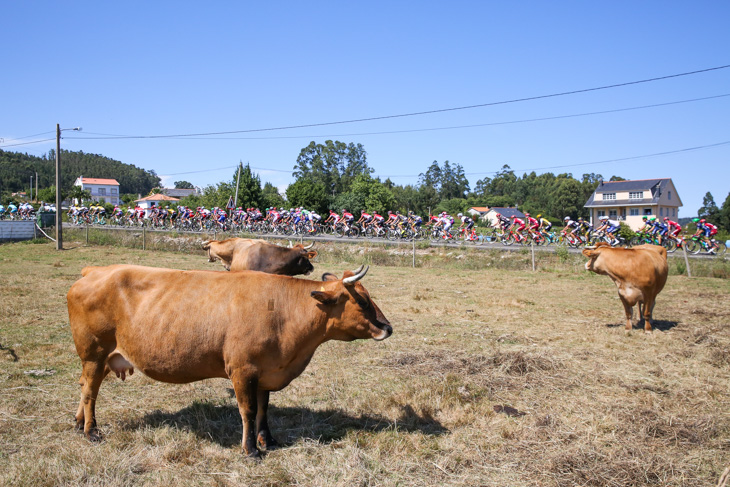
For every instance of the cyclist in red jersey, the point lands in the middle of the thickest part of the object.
(674, 227)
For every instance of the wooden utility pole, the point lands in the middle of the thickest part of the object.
(238, 182)
(59, 211)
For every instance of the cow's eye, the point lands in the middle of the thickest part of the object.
(364, 304)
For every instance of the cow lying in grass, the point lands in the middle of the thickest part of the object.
(245, 254)
(259, 330)
(639, 273)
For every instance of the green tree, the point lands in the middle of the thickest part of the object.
(307, 194)
(373, 195)
(271, 196)
(81, 195)
(334, 165)
(723, 216)
(250, 194)
(183, 185)
(708, 209)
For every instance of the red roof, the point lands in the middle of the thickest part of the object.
(480, 209)
(112, 182)
(157, 197)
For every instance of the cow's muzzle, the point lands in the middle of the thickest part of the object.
(386, 331)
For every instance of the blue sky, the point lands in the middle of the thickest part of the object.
(169, 68)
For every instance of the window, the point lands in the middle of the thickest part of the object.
(609, 196)
(661, 211)
(612, 214)
(669, 195)
(601, 213)
(647, 211)
(673, 212)
(636, 195)
(114, 190)
(102, 191)
(634, 212)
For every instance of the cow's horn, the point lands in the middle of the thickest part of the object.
(359, 274)
(309, 246)
(291, 244)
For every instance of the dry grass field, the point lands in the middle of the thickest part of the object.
(492, 377)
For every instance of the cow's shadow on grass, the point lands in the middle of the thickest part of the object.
(660, 325)
(222, 423)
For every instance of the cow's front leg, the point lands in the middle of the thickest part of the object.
(263, 436)
(245, 385)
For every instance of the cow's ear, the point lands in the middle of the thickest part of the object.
(325, 297)
(328, 276)
(311, 254)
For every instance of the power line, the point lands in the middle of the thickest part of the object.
(621, 159)
(606, 161)
(488, 124)
(26, 143)
(427, 112)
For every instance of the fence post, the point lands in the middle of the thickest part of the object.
(686, 260)
(87, 234)
(532, 246)
(144, 238)
(414, 252)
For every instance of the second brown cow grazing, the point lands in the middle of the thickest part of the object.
(245, 254)
(639, 273)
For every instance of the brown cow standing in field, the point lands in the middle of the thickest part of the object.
(245, 254)
(260, 330)
(639, 273)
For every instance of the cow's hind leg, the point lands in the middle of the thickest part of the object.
(92, 374)
(263, 436)
(647, 313)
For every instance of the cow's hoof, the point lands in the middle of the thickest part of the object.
(94, 436)
(267, 444)
(254, 456)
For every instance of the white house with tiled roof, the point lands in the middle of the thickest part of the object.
(155, 200)
(628, 201)
(102, 190)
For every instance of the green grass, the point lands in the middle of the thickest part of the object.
(472, 335)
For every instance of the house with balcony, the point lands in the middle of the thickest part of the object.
(628, 201)
(102, 190)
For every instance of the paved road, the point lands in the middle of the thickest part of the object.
(406, 243)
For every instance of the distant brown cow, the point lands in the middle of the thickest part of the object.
(639, 273)
(259, 330)
(245, 254)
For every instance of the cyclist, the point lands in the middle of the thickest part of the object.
(571, 226)
(469, 222)
(673, 227)
(392, 218)
(414, 220)
(365, 219)
(447, 221)
(347, 219)
(658, 229)
(532, 225)
(518, 224)
(647, 225)
(501, 222)
(707, 230)
(333, 217)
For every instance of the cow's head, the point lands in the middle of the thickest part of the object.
(301, 257)
(351, 312)
(593, 253)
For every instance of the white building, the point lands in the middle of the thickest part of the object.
(155, 201)
(102, 190)
(628, 201)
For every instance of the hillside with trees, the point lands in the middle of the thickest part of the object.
(16, 169)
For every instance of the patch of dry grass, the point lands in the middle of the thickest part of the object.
(493, 376)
